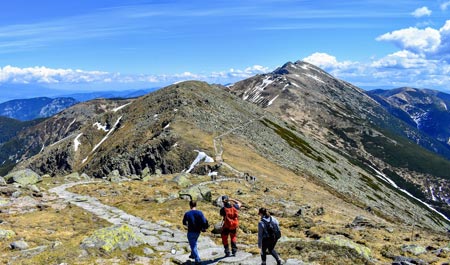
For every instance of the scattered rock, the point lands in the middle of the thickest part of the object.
(148, 251)
(135, 177)
(111, 238)
(114, 176)
(6, 234)
(2, 181)
(16, 194)
(72, 177)
(399, 260)
(319, 211)
(7, 191)
(414, 249)
(23, 177)
(312, 234)
(342, 241)
(33, 188)
(360, 222)
(20, 245)
(390, 229)
(198, 193)
(183, 180)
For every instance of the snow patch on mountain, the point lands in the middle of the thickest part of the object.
(121, 107)
(200, 157)
(272, 100)
(418, 117)
(314, 77)
(68, 127)
(382, 176)
(76, 142)
(432, 194)
(104, 138)
(100, 126)
(255, 92)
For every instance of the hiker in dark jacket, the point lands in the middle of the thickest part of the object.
(196, 223)
(229, 212)
(267, 242)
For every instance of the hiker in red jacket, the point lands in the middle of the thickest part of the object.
(229, 212)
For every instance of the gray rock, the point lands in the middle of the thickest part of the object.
(148, 251)
(198, 193)
(23, 177)
(85, 176)
(400, 260)
(182, 180)
(34, 188)
(20, 245)
(6, 234)
(73, 177)
(16, 194)
(2, 181)
(414, 249)
(111, 238)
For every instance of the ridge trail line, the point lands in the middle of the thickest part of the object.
(218, 147)
(174, 248)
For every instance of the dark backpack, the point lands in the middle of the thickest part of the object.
(230, 220)
(271, 229)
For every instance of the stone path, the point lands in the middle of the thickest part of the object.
(171, 243)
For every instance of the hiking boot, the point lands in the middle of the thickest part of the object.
(227, 254)
(191, 257)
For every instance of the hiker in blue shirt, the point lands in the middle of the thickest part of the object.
(196, 223)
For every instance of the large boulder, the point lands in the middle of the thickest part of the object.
(414, 249)
(344, 242)
(19, 245)
(6, 234)
(197, 193)
(183, 180)
(111, 238)
(23, 177)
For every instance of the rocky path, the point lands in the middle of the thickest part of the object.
(169, 243)
(218, 147)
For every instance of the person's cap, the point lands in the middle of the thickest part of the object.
(224, 198)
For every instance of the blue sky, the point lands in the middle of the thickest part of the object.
(105, 45)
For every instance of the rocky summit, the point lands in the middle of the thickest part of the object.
(350, 121)
(111, 179)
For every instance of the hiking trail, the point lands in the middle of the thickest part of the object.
(174, 248)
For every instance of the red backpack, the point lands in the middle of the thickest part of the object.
(230, 220)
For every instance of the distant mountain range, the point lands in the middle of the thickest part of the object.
(29, 109)
(297, 117)
(427, 110)
(42, 107)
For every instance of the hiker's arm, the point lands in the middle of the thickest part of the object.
(236, 202)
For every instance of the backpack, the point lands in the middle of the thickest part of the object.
(230, 220)
(271, 229)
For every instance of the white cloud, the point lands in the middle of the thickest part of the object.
(421, 12)
(401, 59)
(41, 74)
(326, 61)
(49, 76)
(402, 68)
(433, 43)
(414, 39)
(445, 5)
